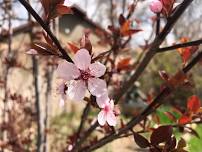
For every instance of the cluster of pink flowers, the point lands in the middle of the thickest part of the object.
(84, 75)
(156, 6)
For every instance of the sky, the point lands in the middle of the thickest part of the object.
(98, 15)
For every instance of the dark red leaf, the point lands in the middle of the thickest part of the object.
(181, 144)
(44, 48)
(161, 134)
(141, 141)
(121, 19)
(154, 149)
(170, 145)
(164, 75)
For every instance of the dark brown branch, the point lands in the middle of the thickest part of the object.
(83, 118)
(158, 24)
(84, 136)
(46, 28)
(151, 108)
(182, 45)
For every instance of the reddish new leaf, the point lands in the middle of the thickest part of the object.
(184, 120)
(73, 48)
(161, 134)
(193, 103)
(127, 30)
(186, 53)
(141, 141)
(62, 9)
(123, 64)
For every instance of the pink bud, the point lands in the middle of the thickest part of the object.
(156, 6)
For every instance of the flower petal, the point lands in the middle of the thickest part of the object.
(76, 90)
(82, 59)
(102, 118)
(67, 71)
(111, 102)
(32, 52)
(97, 69)
(111, 118)
(97, 87)
(102, 100)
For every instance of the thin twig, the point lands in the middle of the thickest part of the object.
(46, 28)
(181, 45)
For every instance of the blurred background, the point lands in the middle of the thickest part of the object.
(29, 102)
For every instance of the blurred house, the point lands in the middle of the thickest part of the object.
(69, 28)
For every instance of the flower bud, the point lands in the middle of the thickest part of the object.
(156, 6)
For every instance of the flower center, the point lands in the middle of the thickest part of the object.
(85, 75)
(106, 109)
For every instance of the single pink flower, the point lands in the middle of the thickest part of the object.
(61, 89)
(156, 6)
(82, 75)
(107, 112)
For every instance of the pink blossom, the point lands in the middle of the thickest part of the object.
(107, 112)
(82, 75)
(32, 52)
(62, 91)
(156, 6)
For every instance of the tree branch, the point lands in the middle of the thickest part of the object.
(152, 51)
(46, 28)
(182, 45)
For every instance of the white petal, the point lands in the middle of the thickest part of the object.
(67, 71)
(82, 59)
(111, 118)
(97, 87)
(102, 100)
(76, 90)
(102, 118)
(111, 102)
(97, 69)
(32, 52)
